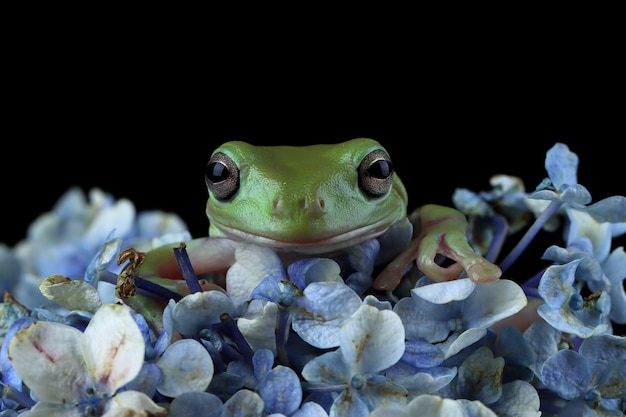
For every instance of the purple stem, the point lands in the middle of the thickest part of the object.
(182, 257)
(530, 235)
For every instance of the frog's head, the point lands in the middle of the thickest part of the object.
(308, 199)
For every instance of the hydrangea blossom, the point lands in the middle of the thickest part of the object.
(311, 336)
(88, 368)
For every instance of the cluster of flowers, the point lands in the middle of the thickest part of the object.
(312, 338)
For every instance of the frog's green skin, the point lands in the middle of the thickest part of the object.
(317, 200)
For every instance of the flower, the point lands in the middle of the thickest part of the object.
(371, 341)
(64, 240)
(88, 367)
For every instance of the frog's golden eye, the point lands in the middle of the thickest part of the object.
(375, 174)
(222, 176)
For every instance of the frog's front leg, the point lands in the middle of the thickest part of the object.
(207, 255)
(442, 231)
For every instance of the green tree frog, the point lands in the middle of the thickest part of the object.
(318, 200)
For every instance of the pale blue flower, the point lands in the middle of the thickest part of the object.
(278, 386)
(566, 309)
(599, 268)
(593, 378)
(65, 240)
(371, 341)
(437, 311)
(88, 368)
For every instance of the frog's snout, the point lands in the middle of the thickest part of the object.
(299, 206)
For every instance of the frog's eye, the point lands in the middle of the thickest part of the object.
(222, 176)
(376, 173)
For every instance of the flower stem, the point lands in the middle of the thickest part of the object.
(182, 257)
(282, 334)
(19, 397)
(530, 235)
(144, 287)
(501, 230)
(229, 327)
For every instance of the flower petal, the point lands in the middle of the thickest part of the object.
(133, 403)
(446, 291)
(71, 294)
(113, 347)
(50, 351)
(372, 339)
(187, 366)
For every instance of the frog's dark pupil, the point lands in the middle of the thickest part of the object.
(217, 172)
(380, 169)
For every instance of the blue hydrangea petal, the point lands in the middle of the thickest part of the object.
(543, 341)
(199, 310)
(379, 391)
(544, 195)
(147, 380)
(268, 289)
(611, 209)
(561, 165)
(426, 380)
(253, 263)
(362, 256)
(379, 304)
(359, 282)
(422, 354)
(563, 320)
(305, 271)
(106, 256)
(614, 268)
(310, 409)
(576, 195)
(9, 376)
(614, 386)
(327, 305)
(519, 398)
(454, 345)
(555, 286)
(475, 408)
(514, 347)
(567, 374)
(244, 371)
(197, 404)
(372, 340)
(480, 376)
(446, 292)
(281, 391)
(243, 403)
(583, 226)
(262, 362)
(471, 203)
(394, 240)
(349, 404)
(425, 320)
(186, 366)
(491, 302)
(589, 269)
(329, 368)
(606, 352)
(434, 406)
(258, 325)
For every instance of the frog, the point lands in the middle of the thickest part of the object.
(317, 201)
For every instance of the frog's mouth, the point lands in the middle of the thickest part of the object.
(308, 246)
